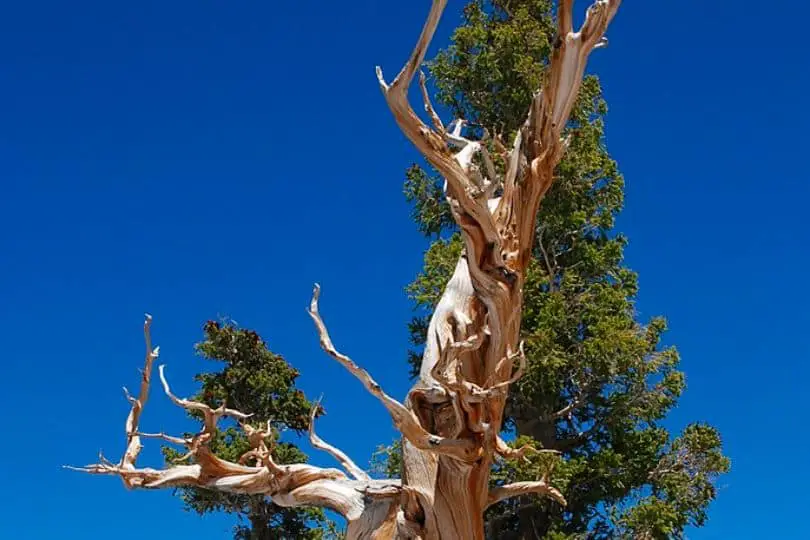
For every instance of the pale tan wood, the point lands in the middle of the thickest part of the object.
(467, 366)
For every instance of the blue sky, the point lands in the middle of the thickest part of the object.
(197, 159)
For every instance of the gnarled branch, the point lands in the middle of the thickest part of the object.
(367, 504)
(134, 446)
(338, 454)
(432, 144)
(516, 489)
(507, 452)
(210, 416)
(405, 421)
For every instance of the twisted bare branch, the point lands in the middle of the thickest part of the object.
(405, 421)
(338, 454)
(507, 452)
(437, 122)
(168, 438)
(432, 144)
(516, 489)
(133, 446)
(210, 416)
(365, 503)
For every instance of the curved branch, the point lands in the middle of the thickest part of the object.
(508, 491)
(405, 421)
(437, 122)
(571, 56)
(134, 445)
(338, 454)
(507, 452)
(432, 144)
(168, 438)
(211, 416)
(565, 411)
(366, 504)
(504, 385)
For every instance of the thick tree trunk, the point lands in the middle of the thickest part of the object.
(473, 334)
(452, 417)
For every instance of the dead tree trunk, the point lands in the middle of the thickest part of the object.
(452, 417)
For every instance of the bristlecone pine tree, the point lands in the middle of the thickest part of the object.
(453, 416)
(597, 383)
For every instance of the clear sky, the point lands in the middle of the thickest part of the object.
(203, 158)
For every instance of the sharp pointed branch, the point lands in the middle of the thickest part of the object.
(168, 438)
(507, 452)
(95, 468)
(338, 454)
(432, 144)
(134, 446)
(597, 19)
(571, 56)
(146, 378)
(503, 385)
(437, 122)
(405, 421)
(407, 72)
(103, 460)
(187, 404)
(539, 487)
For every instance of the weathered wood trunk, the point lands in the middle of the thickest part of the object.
(452, 418)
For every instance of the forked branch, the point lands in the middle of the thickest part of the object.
(210, 416)
(431, 143)
(507, 452)
(571, 55)
(134, 446)
(364, 502)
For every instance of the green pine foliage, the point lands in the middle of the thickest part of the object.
(622, 472)
(249, 377)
